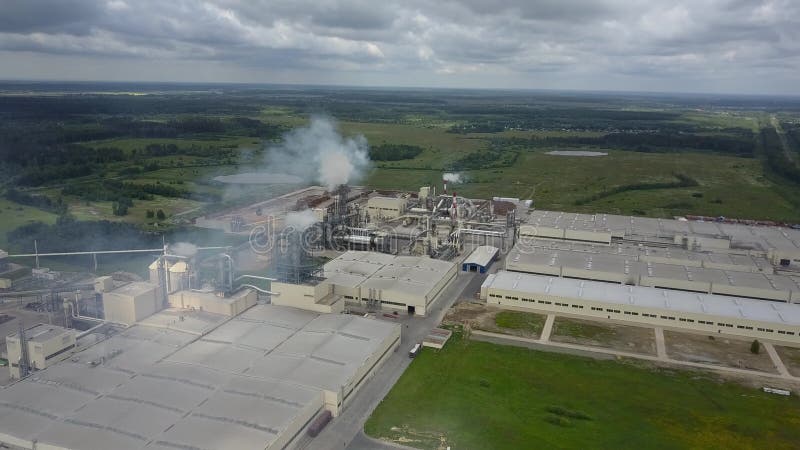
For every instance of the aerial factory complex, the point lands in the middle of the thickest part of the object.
(204, 355)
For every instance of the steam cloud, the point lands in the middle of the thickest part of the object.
(319, 153)
(183, 249)
(300, 220)
(454, 178)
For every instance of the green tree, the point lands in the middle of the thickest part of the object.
(160, 214)
(755, 347)
(119, 209)
(150, 214)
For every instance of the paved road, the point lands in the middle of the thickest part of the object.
(548, 327)
(661, 346)
(346, 430)
(776, 360)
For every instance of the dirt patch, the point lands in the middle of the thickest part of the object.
(614, 336)
(480, 316)
(791, 359)
(720, 351)
(409, 437)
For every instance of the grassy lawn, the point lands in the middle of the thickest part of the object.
(517, 320)
(476, 395)
(581, 329)
(13, 215)
(728, 186)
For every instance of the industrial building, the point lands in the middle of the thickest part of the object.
(378, 280)
(380, 207)
(254, 381)
(656, 268)
(313, 295)
(480, 259)
(781, 245)
(131, 302)
(44, 345)
(214, 302)
(706, 313)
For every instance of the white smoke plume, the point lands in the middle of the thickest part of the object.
(183, 249)
(454, 178)
(319, 153)
(300, 220)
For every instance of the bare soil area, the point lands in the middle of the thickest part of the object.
(480, 316)
(604, 334)
(722, 351)
(791, 359)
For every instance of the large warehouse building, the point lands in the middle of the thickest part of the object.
(255, 381)
(408, 283)
(707, 313)
(689, 271)
(46, 345)
(779, 244)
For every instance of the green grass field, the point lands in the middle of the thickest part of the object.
(13, 215)
(518, 320)
(728, 186)
(475, 395)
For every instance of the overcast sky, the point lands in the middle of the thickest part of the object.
(747, 46)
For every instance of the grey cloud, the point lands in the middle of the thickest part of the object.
(672, 43)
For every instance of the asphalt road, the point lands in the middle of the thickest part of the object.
(346, 431)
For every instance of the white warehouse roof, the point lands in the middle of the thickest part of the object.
(718, 305)
(418, 275)
(251, 383)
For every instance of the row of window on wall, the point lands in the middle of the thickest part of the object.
(634, 313)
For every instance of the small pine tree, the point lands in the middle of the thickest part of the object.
(150, 214)
(160, 214)
(755, 347)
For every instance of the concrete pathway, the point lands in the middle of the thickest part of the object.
(776, 359)
(661, 346)
(543, 345)
(548, 328)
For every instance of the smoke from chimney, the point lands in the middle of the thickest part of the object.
(301, 220)
(318, 153)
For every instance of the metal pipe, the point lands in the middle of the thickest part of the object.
(25, 255)
(255, 277)
(90, 330)
(104, 252)
(260, 289)
(76, 316)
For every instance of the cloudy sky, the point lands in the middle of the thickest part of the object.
(749, 46)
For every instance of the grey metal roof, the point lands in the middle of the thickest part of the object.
(527, 258)
(719, 305)
(661, 230)
(238, 386)
(418, 275)
(482, 255)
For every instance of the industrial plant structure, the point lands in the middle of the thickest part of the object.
(704, 313)
(252, 382)
(205, 355)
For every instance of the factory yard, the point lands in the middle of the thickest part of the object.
(791, 359)
(607, 335)
(489, 318)
(610, 337)
(534, 399)
(722, 351)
